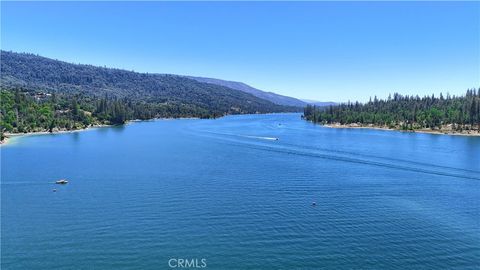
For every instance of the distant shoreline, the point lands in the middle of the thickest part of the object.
(426, 131)
(8, 136)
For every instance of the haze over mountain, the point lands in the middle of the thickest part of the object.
(319, 103)
(270, 96)
(33, 72)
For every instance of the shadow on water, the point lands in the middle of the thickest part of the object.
(102, 130)
(473, 156)
(117, 128)
(76, 136)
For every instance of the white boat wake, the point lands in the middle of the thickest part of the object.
(261, 138)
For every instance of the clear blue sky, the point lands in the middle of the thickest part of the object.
(328, 51)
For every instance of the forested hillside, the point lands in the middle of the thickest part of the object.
(33, 72)
(406, 112)
(39, 92)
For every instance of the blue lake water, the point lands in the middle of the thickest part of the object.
(226, 191)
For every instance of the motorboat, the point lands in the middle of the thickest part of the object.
(61, 182)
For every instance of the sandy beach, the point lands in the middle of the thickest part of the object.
(429, 131)
(9, 136)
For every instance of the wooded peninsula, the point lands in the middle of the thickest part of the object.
(437, 114)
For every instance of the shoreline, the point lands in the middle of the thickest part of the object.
(9, 136)
(424, 131)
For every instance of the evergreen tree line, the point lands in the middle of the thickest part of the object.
(29, 111)
(405, 112)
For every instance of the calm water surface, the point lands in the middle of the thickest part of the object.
(226, 191)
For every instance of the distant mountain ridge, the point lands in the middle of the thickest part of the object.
(319, 103)
(270, 96)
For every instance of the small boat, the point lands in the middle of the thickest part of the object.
(61, 182)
